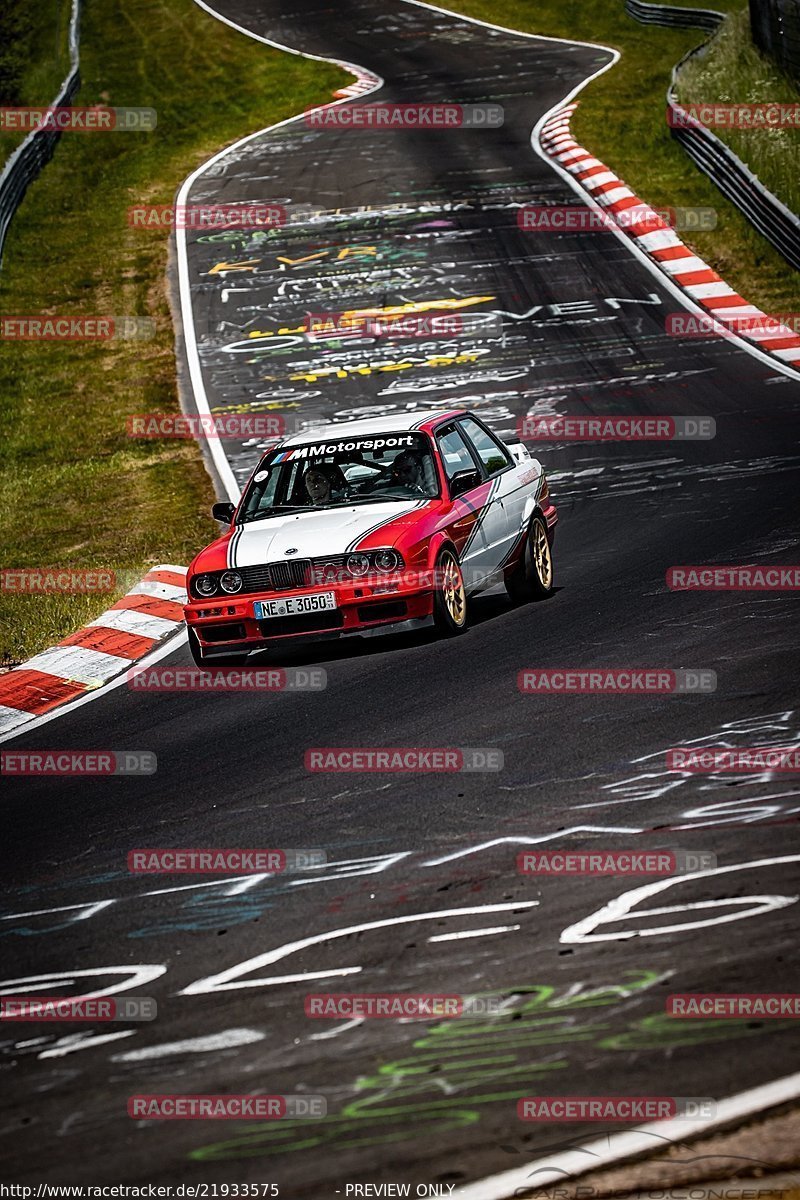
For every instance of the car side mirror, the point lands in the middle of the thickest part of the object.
(464, 481)
(223, 511)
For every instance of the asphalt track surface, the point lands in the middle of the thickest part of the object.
(413, 1102)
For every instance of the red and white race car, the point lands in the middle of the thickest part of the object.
(369, 527)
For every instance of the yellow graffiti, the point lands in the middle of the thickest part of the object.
(352, 318)
(345, 252)
(293, 262)
(448, 360)
(358, 251)
(418, 306)
(248, 265)
(285, 329)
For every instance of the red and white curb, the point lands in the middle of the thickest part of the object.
(143, 619)
(365, 82)
(660, 243)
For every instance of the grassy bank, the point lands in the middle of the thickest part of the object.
(734, 72)
(34, 57)
(622, 120)
(74, 489)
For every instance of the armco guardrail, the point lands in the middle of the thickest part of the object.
(735, 180)
(25, 163)
(673, 16)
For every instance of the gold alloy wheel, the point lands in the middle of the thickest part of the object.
(541, 554)
(453, 590)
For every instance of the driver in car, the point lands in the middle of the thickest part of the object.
(323, 483)
(407, 471)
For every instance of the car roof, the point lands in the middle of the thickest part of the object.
(393, 423)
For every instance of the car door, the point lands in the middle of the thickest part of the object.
(465, 521)
(505, 502)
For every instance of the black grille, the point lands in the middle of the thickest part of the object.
(277, 576)
(222, 633)
(302, 623)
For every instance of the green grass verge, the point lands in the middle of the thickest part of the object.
(74, 489)
(622, 120)
(34, 57)
(734, 72)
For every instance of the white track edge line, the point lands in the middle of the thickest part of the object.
(616, 1147)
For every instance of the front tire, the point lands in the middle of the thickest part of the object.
(217, 660)
(532, 578)
(450, 596)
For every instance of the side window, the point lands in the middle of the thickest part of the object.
(455, 452)
(492, 453)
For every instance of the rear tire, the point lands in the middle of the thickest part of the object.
(450, 597)
(217, 660)
(532, 578)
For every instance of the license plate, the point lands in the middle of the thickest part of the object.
(294, 606)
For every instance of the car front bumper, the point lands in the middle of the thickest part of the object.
(228, 625)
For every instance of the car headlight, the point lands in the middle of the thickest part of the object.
(205, 585)
(230, 581)
(386, 560)
(357, 564)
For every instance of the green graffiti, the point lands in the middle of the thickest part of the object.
(660, 1030)
(458, 1066)
(287, 1137)
(427, 1088)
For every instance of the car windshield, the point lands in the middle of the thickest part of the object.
(339, 472)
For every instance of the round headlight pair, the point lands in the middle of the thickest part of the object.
(229, 581)
(382, 560)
